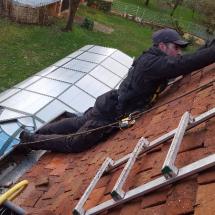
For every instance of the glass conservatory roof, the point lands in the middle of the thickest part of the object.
(71, 84)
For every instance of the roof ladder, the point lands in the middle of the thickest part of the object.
(170, 172)
(117, 192)
(79, 208)
(169, 169)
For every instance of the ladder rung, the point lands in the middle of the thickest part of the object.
(154, 143)
(79, 210)
(155, 184)
(169, 169)
(117, 192)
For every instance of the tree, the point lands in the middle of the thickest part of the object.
(207, 8)
(192, 4)
(73, 6)
(147, 2)
(176, 4)
(1, 6)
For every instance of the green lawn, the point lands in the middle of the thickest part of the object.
(27, 49)
(182, 12)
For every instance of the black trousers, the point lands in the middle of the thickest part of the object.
(62, 136)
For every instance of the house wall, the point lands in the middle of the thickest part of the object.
(54, 9)
(24, 14)
(29, 15)
(5, 7)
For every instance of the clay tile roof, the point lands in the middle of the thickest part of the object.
(58, 181)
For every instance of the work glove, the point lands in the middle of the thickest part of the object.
(208, 44)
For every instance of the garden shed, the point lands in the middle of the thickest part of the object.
(32, 11)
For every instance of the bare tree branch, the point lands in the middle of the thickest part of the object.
(73, 6)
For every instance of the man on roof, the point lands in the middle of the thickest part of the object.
(147, 77)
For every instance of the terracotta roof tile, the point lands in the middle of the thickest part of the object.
(156, 210)
(207, 177)
(205, 193)
(68, 176)
(156, 198)
(114, 176)
(95, 197)
(182, 198)
(207, 208)
(53, 191)
(130, 208)
(65, 204)
(192, 140)
(32, 198)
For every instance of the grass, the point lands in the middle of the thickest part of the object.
(27, 49)
(182, 12)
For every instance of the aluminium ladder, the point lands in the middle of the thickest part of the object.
(170, 172)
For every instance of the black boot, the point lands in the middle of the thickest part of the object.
(23, 147)
(26, 137)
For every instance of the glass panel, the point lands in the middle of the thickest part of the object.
(28, 82)
(38, 124)
(82, 66)
(53, 110)
(77, 99)
(75, 54)
(7, 94)
(3, 138)
(91, 57)
(14, 142)
(117, 87)
(27, 102)
(10, 128)
(122, 58)
(85, 48)
(27, 121)
(115, 67)
(102, 50)
(7, 115)
(46, 71)
(62, 62)
(92, 86)
(48, 87)
(66, 75)
(105, 76)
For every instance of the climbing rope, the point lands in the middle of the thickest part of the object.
(129, 121)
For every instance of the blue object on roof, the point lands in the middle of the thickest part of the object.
(71, 84)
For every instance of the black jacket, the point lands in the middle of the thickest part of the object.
(152, 70)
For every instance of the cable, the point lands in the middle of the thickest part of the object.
(139, 114)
